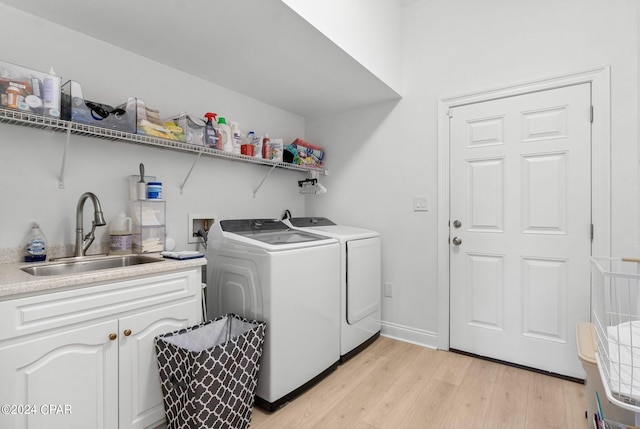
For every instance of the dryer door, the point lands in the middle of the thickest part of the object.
(364, 279)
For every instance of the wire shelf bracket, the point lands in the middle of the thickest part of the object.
(255, 191)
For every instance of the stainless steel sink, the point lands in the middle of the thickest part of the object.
(84, 264)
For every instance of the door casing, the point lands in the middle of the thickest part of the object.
(600, 167)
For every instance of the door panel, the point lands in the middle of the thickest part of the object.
(520, 186)
(362, 298)
(141, 400)
(71, 371)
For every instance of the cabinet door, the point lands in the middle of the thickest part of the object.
(64, 380)
(141, 401)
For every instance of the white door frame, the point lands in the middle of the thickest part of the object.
(600, 168)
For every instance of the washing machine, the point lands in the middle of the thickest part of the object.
(360, 280)
(264, 270)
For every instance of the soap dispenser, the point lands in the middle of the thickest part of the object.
(35, 248)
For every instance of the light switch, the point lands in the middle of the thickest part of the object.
(420, 204)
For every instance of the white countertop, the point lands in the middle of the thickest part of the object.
(15, 282)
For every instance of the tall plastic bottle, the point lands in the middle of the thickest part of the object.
(236, 138)
(266, 147)
(51, 101)
(35, 249)
(225, 135)
(211, 138)
(120, 235)
(256, 141)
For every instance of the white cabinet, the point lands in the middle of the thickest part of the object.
(140, 398)
(72, 369)
(85, 358)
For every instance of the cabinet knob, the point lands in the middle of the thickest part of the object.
(127, 332)
(113, 336)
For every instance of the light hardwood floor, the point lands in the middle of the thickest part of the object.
(392, 384)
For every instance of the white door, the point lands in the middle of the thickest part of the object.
(520, 204)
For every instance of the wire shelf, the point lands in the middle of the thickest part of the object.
(17, 117)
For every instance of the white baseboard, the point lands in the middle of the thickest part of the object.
(410, 335)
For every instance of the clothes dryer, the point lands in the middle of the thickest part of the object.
(262, 269)
(360, 280)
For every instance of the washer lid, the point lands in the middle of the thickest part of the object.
(303, 222)
(243, 226)
(326, 227)
(269, 231)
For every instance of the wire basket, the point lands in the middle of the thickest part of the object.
(616, 313)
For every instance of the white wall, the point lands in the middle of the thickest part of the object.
(30, 160)
(382, 156)
(367, 30)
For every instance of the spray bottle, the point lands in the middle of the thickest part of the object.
(225, 135)
(211, 138)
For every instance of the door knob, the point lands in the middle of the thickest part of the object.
(456, 241)
(457, 223)
(113, 336)
(127, 332)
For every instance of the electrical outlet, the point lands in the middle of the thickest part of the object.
(196, 222)
(420, 204)
(388, 290)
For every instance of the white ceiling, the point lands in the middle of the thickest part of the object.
(260, 48)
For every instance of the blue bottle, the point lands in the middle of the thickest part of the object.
(35, 249)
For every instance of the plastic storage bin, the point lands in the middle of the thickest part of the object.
(209, 373)
(149, 225)
(150, 124)
(187, 128)
(78, 109)
(29, 91)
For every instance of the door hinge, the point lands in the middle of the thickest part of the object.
(591, 232)
(591, 113)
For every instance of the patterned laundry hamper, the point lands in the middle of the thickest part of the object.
(209, 372)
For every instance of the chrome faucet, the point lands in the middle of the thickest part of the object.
(98, 220)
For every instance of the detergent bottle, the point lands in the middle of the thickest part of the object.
(211, 138)
(236, 138)
(256, 141)
(225, 135)
(120, 235)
